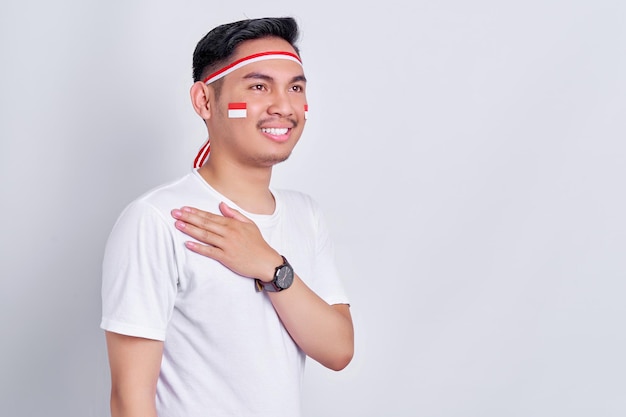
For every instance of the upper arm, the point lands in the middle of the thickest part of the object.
(135, 365)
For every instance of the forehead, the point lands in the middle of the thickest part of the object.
(276, 69)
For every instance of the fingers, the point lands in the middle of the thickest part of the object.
(206, 227)
(205, 250)
(200, 219)
(230, 212)
(194, 215)
(204, 234)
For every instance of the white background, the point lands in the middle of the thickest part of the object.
(470, 157)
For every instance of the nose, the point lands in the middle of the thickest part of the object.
(280, 104)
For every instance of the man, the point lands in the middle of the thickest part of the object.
(216, 286)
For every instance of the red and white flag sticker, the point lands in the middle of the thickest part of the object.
(237, 110)
(306, 111)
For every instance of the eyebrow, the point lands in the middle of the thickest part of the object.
(261, 76)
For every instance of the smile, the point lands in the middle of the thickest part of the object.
(275, 131)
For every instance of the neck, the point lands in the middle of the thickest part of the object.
(245, 186)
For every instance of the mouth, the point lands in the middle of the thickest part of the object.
(277, 134)
(275, 131)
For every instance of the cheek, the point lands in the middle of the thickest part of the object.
(253, 106)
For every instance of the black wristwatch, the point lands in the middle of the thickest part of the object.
(283, 278)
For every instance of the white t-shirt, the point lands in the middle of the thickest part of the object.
(226, 352)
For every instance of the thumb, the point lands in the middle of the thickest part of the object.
(233, 214)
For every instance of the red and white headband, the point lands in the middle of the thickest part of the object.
(261, 56)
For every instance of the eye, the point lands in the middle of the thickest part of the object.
(258, 87)
(297, 89)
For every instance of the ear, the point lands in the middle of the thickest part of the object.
(201, 99)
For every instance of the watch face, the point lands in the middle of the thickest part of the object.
(284, 276)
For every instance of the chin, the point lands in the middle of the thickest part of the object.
(271, 160)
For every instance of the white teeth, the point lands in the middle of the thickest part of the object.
(275, 130)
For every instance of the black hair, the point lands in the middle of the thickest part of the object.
(216, 48)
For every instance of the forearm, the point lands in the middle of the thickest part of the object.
(322, 331)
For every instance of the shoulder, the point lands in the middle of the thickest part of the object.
(187, 190)
(171, 189)
(155, 205)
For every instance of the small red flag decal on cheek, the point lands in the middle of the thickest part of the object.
(237, 110)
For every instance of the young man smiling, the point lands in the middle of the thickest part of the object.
(216, 286)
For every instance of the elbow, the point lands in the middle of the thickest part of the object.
(341, 359)
(341, 363)
(344, 351)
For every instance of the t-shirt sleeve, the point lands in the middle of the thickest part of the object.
(326, 278)
(139, 274)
